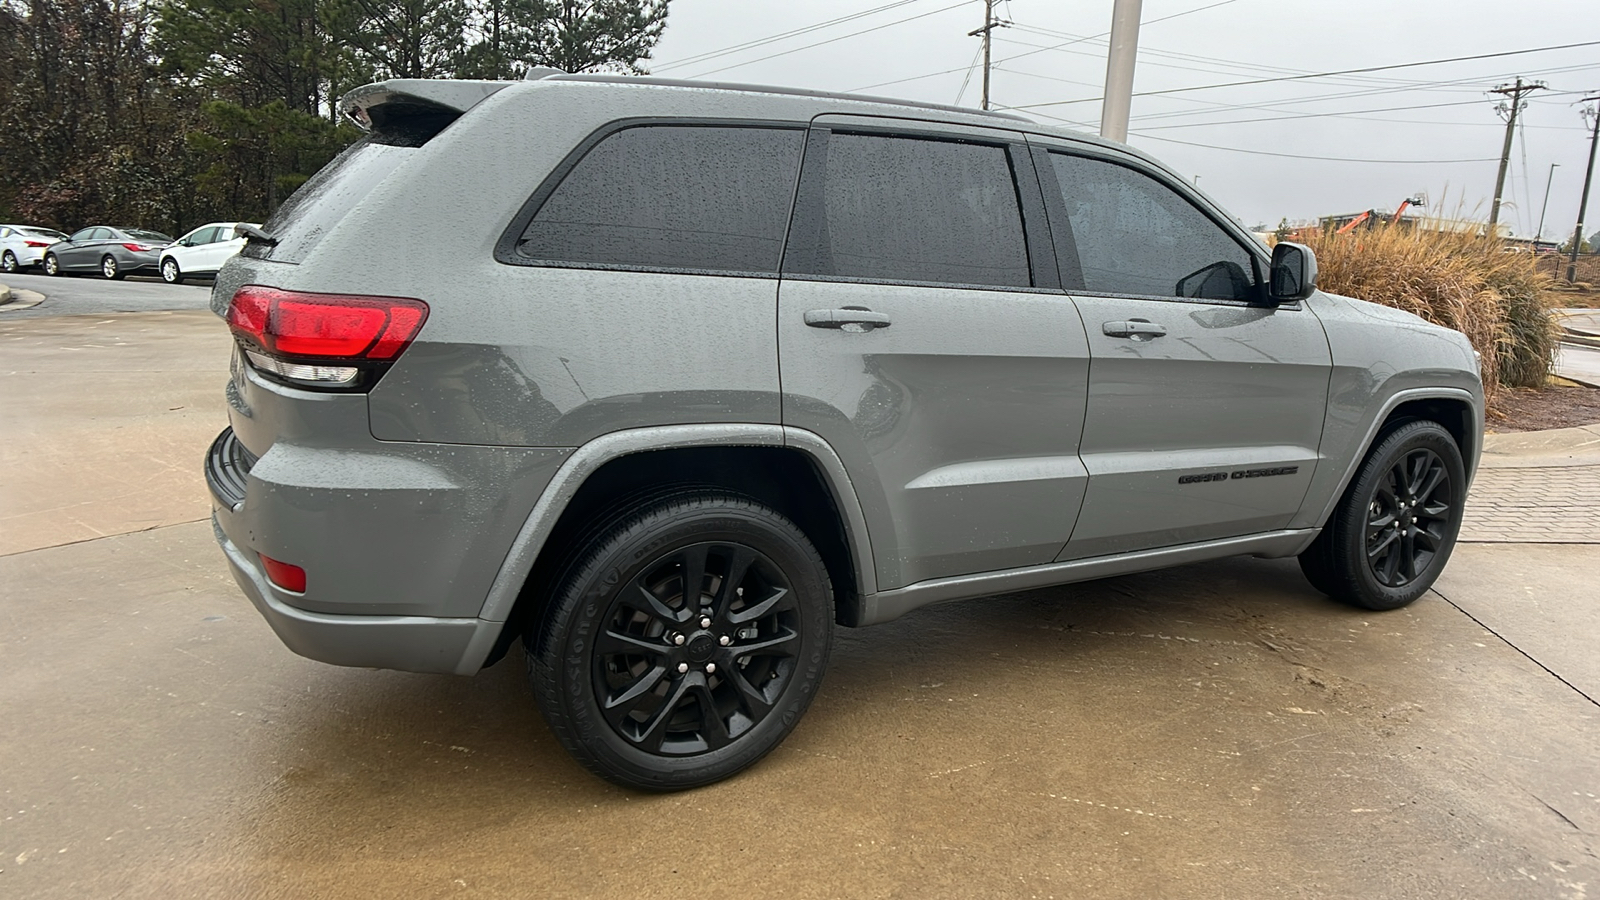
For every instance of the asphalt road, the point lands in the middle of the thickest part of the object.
(1210, 731)
(87, 295)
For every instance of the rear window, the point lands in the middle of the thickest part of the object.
(696, 197)
(323, 201)
(143, 235)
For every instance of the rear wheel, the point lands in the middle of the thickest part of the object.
(8, 262)
(52, 266)
(109, 268)
(170, 273)
(686, 644)
(1392, 532)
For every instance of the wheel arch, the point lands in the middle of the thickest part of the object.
(1457, 410)
(792, 470)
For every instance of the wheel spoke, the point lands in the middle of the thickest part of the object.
(613, 642)
(1382, 522)
(656, 731)
(642, 685)
(759, 610)
(755, 702)
(1426, 540)
(660, 610)
(777, 645)
(1416, 471)
(1388, 539)
(1430, 483)
(738, 566)
(712, 729)
(694, 577)
(1389, 567)
(1408, 556)
(1435, 510)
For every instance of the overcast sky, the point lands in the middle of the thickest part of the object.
(919, 49)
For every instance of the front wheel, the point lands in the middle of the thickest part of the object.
(686, 644)
(1392, 532)
(52, 266)
(109, 268)
(170, 273)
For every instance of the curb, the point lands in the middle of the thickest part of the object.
(5, 295)
(12, 300)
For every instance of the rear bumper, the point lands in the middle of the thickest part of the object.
(408, 643)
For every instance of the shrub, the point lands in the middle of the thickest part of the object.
(1472, 284)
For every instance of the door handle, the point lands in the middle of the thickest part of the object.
(1138, 329)
(848, 318)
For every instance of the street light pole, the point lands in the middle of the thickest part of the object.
(1577, 233)
(1118, 101)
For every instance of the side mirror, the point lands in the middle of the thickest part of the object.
(1294, 273)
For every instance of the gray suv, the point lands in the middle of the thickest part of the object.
(672, 379)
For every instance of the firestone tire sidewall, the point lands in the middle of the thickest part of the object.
(1360, 586)
(585, 600)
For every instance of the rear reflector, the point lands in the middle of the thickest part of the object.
(303, 336)
(290, 578)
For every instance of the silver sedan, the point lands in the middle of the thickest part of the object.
(113, 252)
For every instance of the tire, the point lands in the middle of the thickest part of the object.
(1394, 528)
(110, 269)
(52, 266)
(170, 273)
(631, 704)
(8, 262)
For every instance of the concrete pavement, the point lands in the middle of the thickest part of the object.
(1210, 731)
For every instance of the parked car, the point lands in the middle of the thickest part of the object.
(113, 252)
(200, 252)
(22, 246)
(713, 370)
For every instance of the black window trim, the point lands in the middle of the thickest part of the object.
(505, 249)
(1066, 248)
(809, 203)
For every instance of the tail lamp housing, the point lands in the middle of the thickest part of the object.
(327, 341)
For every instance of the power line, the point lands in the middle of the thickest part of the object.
(1426, 62)
(833, 39)
(758, 42)
(1344, 159)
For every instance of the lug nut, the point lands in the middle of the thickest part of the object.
(724, 640)
(678, 639)
(683, 668)
(705, 622)
(711, 668)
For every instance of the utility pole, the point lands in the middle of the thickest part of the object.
(1118, 101)
(990, 23)
(1515, 92)
(1594, 139)
(1546, 205)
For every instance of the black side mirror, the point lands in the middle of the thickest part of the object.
(1294, 273)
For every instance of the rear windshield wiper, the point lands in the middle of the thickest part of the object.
(252, 233)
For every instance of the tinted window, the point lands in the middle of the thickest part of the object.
(81, 235)
(101, 234)
(1135, 235)
(909, 209)
(205, 236)
(322, 202)
(140, 234)
(673, 196)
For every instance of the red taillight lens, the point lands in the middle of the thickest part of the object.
(325, 326)
(37, 243)
(284, 575)
(138, 248)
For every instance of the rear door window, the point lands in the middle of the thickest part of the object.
(1136, 236)
(909, 209)
(682, 197)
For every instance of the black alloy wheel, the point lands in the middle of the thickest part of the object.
(52, 266)
(8, 262)
(685, 646)
(1392, 531)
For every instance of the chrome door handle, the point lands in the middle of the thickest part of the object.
(848, 318)
(1138, 329)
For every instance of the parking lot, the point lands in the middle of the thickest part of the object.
(1218, 730)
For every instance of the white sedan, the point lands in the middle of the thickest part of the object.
(22, 246)
(200, 252)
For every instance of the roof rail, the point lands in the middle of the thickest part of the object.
(771, 89)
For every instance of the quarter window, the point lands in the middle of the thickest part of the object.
(1135, 235)
(914, 209)
(673, 196)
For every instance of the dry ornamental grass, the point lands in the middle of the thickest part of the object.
(1473, 284)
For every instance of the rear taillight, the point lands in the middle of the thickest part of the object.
(323, 339)
(138, 248)
(37, 243)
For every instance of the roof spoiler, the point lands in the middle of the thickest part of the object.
(374, 106)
